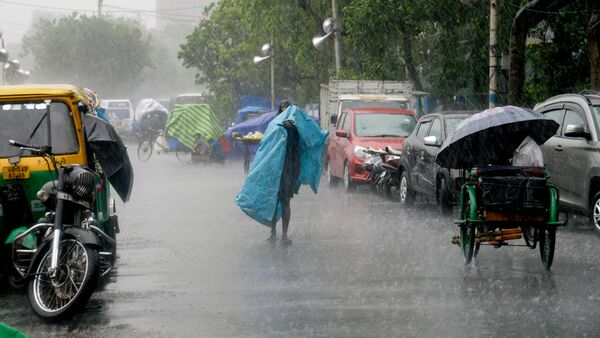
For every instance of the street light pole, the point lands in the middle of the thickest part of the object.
(267, 53)
(272, 79)
(336, 39)
(493, 97)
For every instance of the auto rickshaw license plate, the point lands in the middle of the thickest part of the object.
(15, 173)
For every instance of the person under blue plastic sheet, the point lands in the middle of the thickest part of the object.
(289, 155)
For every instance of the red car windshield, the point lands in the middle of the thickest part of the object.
(384, 125)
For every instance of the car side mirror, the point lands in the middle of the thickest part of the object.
(431, 141)
(341, 133)
(577, 130)
(333, 119)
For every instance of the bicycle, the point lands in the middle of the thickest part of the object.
(158, 142)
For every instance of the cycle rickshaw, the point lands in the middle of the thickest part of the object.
(498, 202)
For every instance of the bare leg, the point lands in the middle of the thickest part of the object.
(285, 218)
(273, 236)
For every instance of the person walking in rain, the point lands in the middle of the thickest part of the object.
(288, 156)
(289, 177)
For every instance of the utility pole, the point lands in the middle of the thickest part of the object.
(493, 97)
(336, 38)
(100, 7)
(272, 78)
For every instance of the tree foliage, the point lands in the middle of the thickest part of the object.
(442, 46)
(103, 53)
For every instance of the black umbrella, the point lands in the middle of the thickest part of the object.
(110, 151)
(492, 136)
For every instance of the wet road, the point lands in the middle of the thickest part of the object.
(192, 265)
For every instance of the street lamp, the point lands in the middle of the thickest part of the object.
(267, 53)
(331, 28)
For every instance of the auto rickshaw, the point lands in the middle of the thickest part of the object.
(57, 217)
(500, 202)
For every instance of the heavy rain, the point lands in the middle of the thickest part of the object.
(436, 179)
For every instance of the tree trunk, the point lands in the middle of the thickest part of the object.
(593, 37)
(527, 17)
(413, 74)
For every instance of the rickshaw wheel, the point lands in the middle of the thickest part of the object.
(467, 242)
(183, 154)
(547, 239)
(530, 236)
(144, 151)
(476, 251)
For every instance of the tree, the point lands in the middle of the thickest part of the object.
(222, 46)
(593, 37)
(103, 53)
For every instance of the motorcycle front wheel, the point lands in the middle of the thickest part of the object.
(75, 282)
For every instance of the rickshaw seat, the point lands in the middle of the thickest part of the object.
(514, 189)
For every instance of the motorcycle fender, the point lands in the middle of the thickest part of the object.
(82, 235)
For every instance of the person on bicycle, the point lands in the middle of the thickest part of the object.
(289, 177)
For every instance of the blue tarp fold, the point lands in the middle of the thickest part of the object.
(258, 197)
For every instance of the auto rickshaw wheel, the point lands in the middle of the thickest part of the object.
(547, 239)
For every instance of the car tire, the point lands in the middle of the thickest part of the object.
(444, 197)
(349, 186)
(595, 213)
(407, 196)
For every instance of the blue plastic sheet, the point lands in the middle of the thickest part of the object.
(258, 197)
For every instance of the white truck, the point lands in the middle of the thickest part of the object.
(339, 95)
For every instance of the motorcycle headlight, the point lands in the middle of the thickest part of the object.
(82, 183)
(358, 152)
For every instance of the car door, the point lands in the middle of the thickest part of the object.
(336, 150)
(573, 160)
(427, 179)
(556, 113)
(418, 155)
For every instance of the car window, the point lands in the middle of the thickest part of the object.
(554, 115)
(423, 129)
(383, 125)
(436, 129)
(452, 123)
(574, 117)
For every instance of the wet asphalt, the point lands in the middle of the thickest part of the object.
(191, 264)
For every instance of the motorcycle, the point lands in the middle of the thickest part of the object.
(384, 173)
(64, 185)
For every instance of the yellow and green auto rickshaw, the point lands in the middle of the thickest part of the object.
(57, 218)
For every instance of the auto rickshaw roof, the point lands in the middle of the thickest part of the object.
(42, 91)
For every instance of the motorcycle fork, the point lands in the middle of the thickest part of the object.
(58, 226)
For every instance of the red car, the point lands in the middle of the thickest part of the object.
(359, 128)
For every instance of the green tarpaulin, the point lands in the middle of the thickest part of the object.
(9, 332)
(187, 121)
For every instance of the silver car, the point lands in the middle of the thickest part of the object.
(572, 156)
